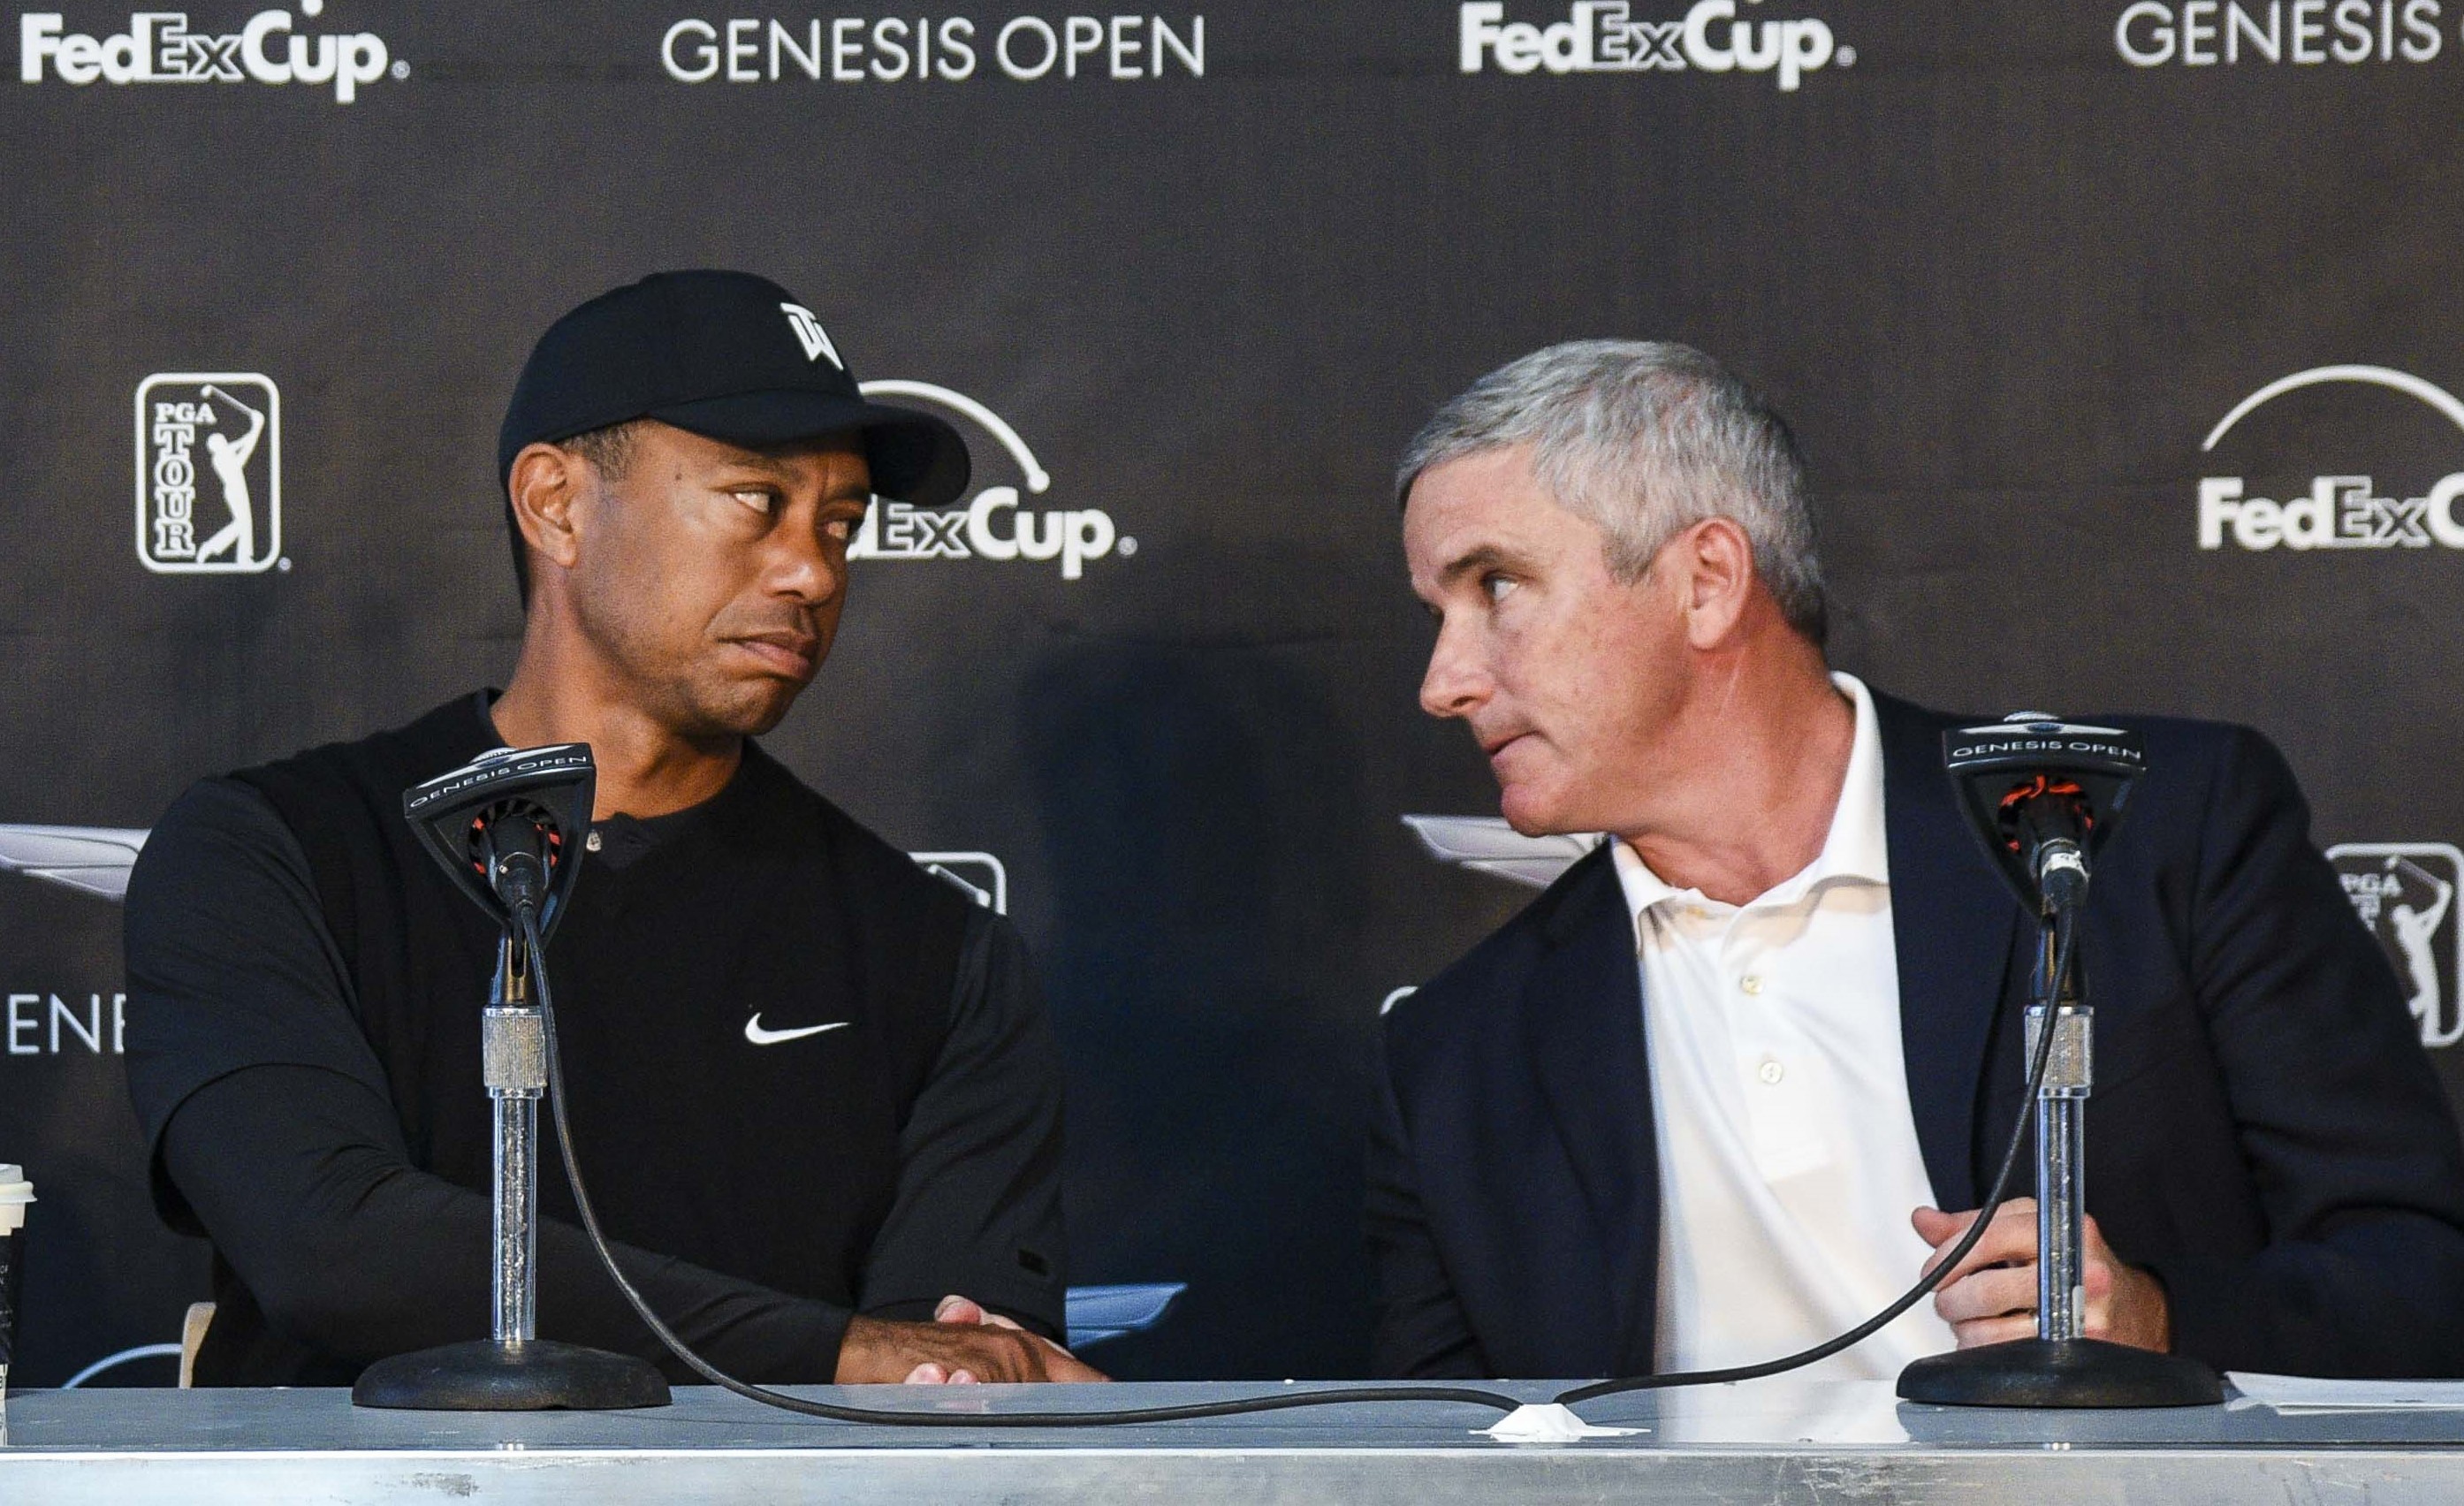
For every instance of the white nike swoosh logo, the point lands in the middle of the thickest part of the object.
(754, 1032)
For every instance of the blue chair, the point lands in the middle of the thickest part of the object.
(1095, 1314)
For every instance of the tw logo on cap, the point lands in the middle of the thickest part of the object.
(810, 333)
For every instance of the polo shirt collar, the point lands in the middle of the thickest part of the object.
(1854, 849)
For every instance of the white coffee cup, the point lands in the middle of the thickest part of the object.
(15, 1192)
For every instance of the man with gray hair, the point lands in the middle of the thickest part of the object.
(1727, 1086)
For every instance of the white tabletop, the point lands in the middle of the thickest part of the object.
(1770, 1440)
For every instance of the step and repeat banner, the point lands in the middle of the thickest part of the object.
(2123, 338)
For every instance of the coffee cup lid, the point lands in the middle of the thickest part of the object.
(13, 1185)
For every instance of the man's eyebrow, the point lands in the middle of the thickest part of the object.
(782, 468)
(1488, 557)
(756, 460)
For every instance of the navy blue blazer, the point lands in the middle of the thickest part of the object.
(2266, 1135)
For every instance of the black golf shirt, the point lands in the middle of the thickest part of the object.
(808, 1079)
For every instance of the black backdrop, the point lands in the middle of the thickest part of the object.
(2006, 266)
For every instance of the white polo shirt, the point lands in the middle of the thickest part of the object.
(1787, 1152)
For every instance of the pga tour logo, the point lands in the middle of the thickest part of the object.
(2337, 511)
(1602, 36)
(208, 473)
(159, 47)
(996, 524)
(2404, 892)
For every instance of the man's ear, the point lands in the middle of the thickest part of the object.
(545, 485)
(1715, 564)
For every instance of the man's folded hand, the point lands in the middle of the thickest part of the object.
(964, 1343)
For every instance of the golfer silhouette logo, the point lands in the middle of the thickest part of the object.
(2404, 892)
(230, 458)
(209, 458)
(2414, 930)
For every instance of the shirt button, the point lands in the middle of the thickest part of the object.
(591, 842)
(1770, 1072)
(1752, 983)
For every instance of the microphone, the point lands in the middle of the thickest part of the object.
(2044, 795)
(505, 826)
(518, 850)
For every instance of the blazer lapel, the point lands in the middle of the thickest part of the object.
(1582, 1017)
(1952, 925)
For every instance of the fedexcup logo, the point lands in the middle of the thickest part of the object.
(2338, 511)
(2404, 892)
(996, 524)
(1600, 36)
(208, 473)
(162, 47)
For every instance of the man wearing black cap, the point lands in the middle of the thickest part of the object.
(814, 1085)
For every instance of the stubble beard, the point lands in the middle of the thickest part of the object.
(703, 704)
(686, 692)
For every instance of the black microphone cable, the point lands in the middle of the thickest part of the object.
(900, 1418)
(1466, 1395)
(2064, 935)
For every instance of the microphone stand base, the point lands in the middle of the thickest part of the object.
(2060, 1372)
(484, 1376)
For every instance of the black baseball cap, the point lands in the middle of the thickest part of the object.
(729, 356)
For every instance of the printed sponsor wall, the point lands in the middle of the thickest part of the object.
(2123, 338)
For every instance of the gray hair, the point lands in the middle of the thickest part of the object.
(1644, 438)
